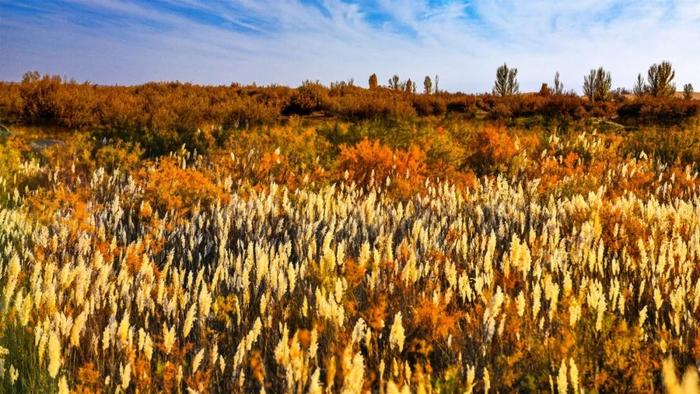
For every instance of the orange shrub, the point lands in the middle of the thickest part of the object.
(170, 187)
(493, 149)
(369, 163)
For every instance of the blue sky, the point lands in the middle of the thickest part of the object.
(288, 41)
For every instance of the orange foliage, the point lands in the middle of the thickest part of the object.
(493, 149)
(89, 379)
(163, 116)
(434, 319)
(377, 313)
(172, 188)
(369, 163)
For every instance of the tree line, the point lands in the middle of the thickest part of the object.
(597, 84)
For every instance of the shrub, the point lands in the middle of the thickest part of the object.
(308, 98)
(665, 111)
(492, 149)
(371, 163)
(171, 188)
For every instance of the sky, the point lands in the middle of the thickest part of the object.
(289, 41)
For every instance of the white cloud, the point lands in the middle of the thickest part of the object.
(287, 41)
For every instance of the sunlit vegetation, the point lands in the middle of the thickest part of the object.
(160, 117)
(181, 238)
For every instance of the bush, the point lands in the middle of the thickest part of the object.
(308, 98)
(171, 188)
(371, 163)
(647, 110)
(492, 149)
(427, 105)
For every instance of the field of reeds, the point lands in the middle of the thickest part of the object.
(438, 255)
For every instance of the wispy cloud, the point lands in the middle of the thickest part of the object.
(288, 41)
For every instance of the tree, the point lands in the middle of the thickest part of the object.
(427, 85)
(373, 81)
(409, 86)
(640, 87)
(437, 81)
(558, 86)
(545, 90)
(394, 82)
(597, 84)
(688, 91)
(506, 81)
(589, 85)
(660, 79)
(31, 76)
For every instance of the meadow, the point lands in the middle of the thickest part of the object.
(181, 238)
